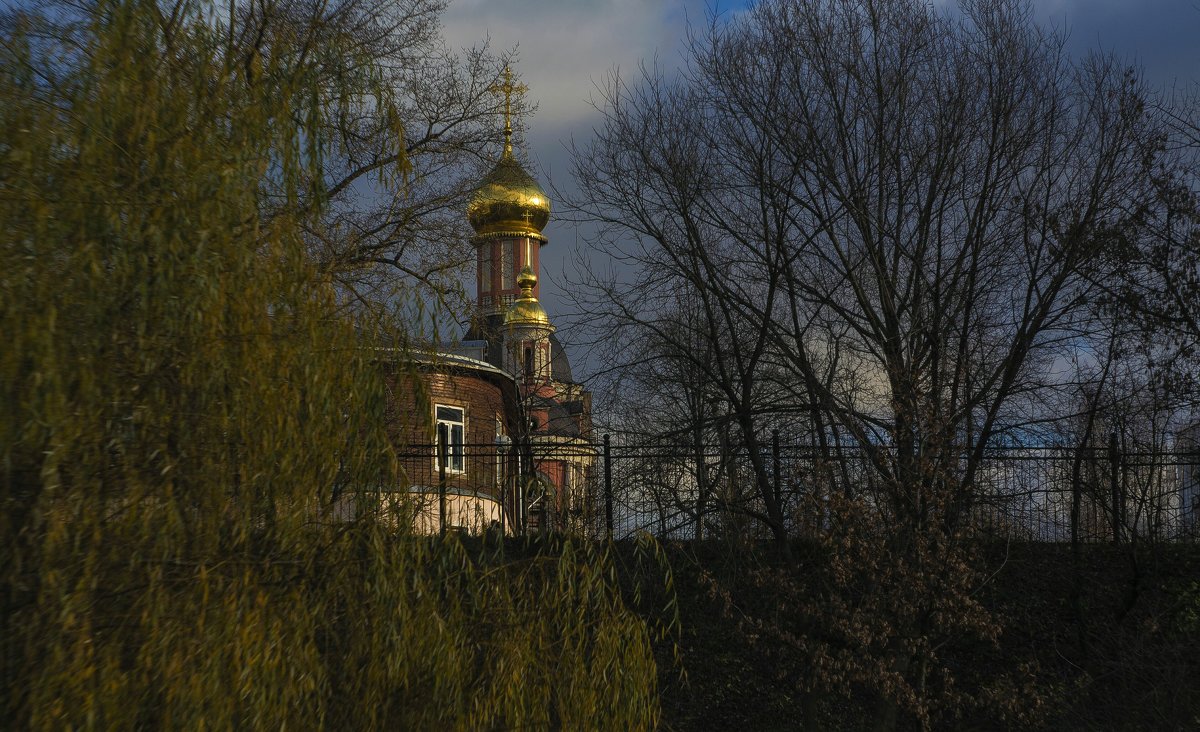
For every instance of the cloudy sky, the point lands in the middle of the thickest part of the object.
(566, 48)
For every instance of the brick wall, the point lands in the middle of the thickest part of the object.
(411, 419)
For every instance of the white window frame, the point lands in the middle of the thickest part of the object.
(456, 464)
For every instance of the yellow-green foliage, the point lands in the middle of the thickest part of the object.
(184, 405)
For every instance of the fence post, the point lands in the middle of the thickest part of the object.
(701, 482)
(1076, 496)
(443, 440)
(608, 496)
(1114, 460)
(775, 469)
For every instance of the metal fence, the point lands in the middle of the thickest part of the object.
(630, 484)
(518, 485)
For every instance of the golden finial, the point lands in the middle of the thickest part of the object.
(526, 310)
(527, 280)
(508, 88)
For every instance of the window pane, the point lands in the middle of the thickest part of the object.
(456, 447)
(485, 267)
(449, 414)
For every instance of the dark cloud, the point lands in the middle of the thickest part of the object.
(1158, 35)
(567, 46)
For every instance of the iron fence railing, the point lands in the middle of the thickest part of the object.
(623, 485)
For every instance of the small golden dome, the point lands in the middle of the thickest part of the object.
(508, 200)
(526, 310)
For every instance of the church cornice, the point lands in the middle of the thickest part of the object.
(493, 235)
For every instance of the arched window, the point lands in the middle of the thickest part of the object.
(485, 268)
(507, 273)
(528, 362)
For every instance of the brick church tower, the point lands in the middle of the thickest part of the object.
(508, 211)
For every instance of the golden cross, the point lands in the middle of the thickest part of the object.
(508, 88)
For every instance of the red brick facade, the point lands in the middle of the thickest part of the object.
(487, 399)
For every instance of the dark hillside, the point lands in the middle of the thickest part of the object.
(1110, 642)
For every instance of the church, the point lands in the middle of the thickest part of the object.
(514, 449)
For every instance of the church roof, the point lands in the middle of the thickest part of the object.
(508, 200)
(560, 366)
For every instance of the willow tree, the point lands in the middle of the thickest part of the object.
(438, 126)
(189, 418)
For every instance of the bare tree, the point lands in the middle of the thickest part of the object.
(399, 158)
(661, 398)
(897, 214)
(662, 187)
(906, 201)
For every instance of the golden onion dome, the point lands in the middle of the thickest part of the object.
(526, 310)
(508, 200)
